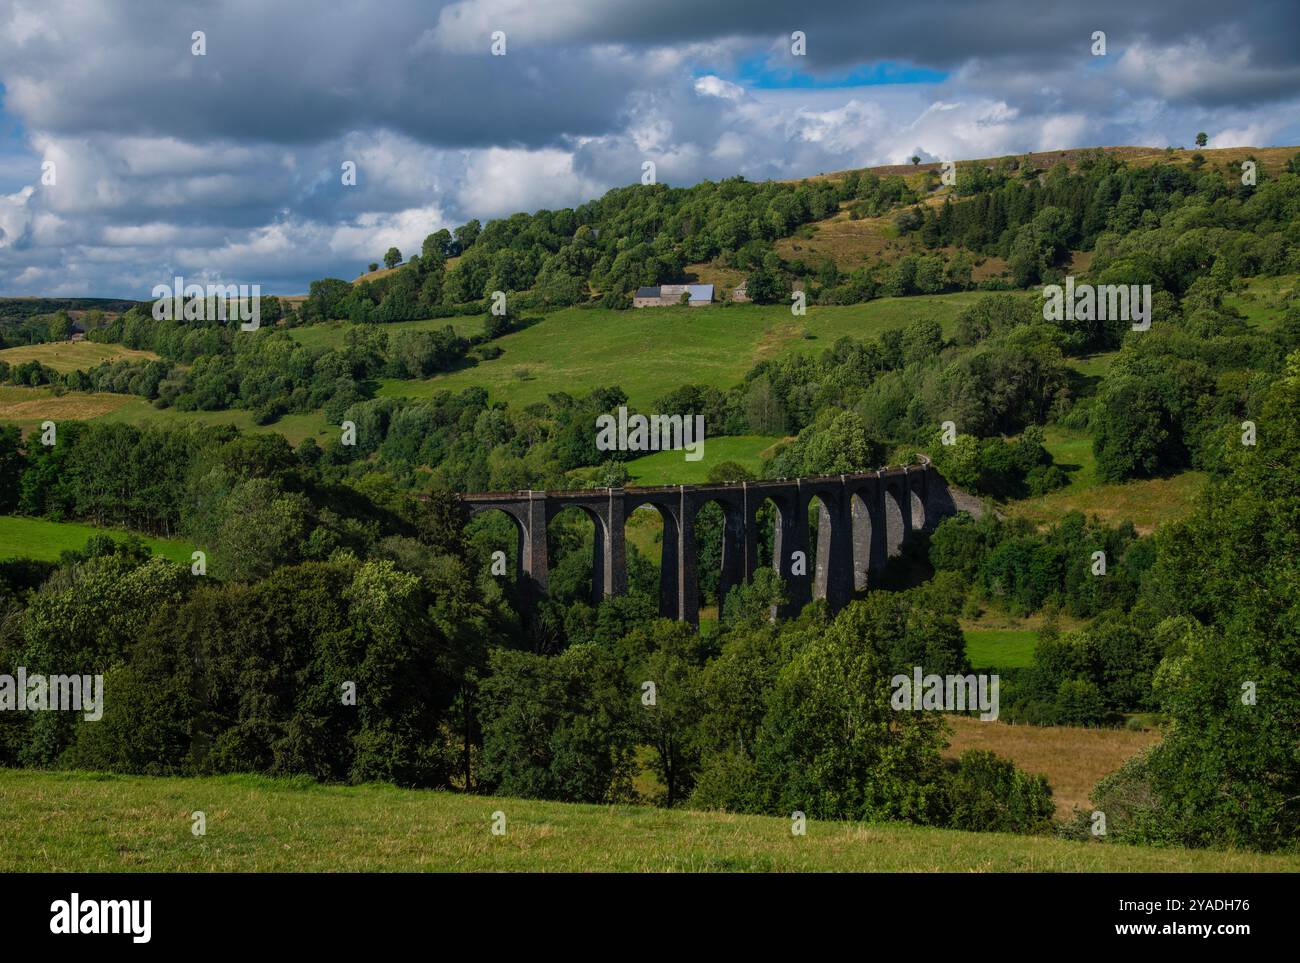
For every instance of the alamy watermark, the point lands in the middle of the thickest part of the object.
(195, 302)
(65, 693)
(946, 693)
(1098, 302)
(130, 917)
(653, 433)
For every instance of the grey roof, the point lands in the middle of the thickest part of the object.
(698, 292)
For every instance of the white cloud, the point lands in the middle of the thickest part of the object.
(711, 86)
(503, 180)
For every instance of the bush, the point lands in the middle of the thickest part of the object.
(989, 794)
(1130, 803)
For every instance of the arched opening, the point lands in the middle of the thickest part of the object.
(496, 544)
(917, 504)
(719, 547)
(575, 545)
(650, 539)
(767, 522)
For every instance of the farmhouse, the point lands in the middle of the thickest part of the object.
(664, 295)
(76, 332)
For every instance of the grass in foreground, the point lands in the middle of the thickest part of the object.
(78, 822)
(44, 540)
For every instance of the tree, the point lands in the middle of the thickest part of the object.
(12, 464)
(373, 266)
(60, 326)
(669, 723)
(260, 528)
(392, 258)
(1202, 139)
(766, 286)
(466, 235)
(557, 727)
(832, 746)
(915, 159)
(1226, 773)
(990, 794)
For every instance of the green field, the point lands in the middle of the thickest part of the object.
(1146, 503)
(672, 468)
(77, 822)
(65, 356)
(1000, 648)
(294, 427)
(651, 351)
(43, 540)
(1264, 299)
(330, 334)
(28, 407)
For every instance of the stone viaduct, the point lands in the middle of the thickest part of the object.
(863, 519)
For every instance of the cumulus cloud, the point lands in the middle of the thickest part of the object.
(711, 86)
(228, 166)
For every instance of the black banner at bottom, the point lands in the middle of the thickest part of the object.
(336, 911)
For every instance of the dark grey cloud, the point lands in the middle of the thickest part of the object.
(228, 165)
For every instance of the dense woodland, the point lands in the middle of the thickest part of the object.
(343, 563)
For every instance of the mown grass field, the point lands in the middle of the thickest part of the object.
(28, 407)
(1071, 758)
(44, 540)
(1147, 503)
(77, 822)
(330, 334)
(651, 351)
(65, 356)
(1000, 648)
(672, 468)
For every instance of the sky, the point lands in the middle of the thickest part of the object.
(127, 159)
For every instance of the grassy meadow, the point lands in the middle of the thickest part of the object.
(45, 541)
(1147, 503)
(1072, 759)
(79, 822)
(1263, 300)
(330, 334)
(1000, 648)
(672, 468)
(28, 407)
(65, 356)
(650, 351)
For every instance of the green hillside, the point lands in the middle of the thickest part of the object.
(78, 822)
(672, 468)
(650, 351)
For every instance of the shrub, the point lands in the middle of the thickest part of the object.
(989, 794)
